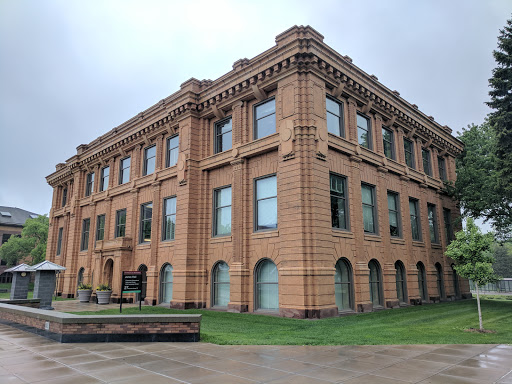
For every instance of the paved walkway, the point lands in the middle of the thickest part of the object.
(28, 358)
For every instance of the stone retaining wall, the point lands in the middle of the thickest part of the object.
(69, 328)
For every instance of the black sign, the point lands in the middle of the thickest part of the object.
(132, 282)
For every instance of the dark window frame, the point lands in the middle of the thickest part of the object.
(255, 121)
(103, 178)
(218, 127)
(441, 165)
(448, 227)
(257, 267)
(378, 284)
(89, 184)
(143, 220)
(433, 223)
(369, 131)
(164, 219)
(120, 227)
(125, 170)
(84, 239)
(374, 209)
(396, 196)
(390, 143)
(440, 281)
(146, 160)
(100, 230)
(64, 196)
(401, 285)
(411, 163)
(417, 218)
(169, 151)
(349, 284)
(216, 209)
(345, 198)
(341, 119)
(59, 241)
(427, 161)
(216, 283)
(422, 281)
(256, 200)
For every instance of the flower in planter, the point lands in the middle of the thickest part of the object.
(103, 287)
(84, 286)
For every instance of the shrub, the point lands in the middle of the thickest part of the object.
(103, 287)
(84, 286)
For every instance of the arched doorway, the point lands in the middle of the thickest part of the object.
(166, 282)
(80, 278)
(267, 286)
(343, 285)
(375, 283)
(220, 285)
(422, 281)
(141, 296)
(108, 273)
(440, 281)
(401, 282)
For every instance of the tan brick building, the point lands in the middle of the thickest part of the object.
(295, 183)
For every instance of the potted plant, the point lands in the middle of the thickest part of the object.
(84, 292)
(103, 293)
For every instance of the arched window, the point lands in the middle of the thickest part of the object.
(422, 281)
(375, 283)
(220, 285)
(401, 282)
(108, 272)
(343, 285)
(455, 277)
(267, 287)
(440, 281)
(166, 284)
(141, 296)
(80, 277)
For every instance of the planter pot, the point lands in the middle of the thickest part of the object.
(84, 295)
(103, 297)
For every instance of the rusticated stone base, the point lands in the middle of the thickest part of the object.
(368, 307)
(392, 304)
(238, 308)
(308, 313)
(187, 305)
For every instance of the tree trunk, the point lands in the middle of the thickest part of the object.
(479, 309)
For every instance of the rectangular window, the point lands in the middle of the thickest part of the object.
(6, 237)
(146, 215)
(173, 145)
(425, 153)
(222, 212)
(388, 141)
(369, 208)
(89, 184)
(266, 203)
(59, 241)
(394, 214)
(149, 160)
(264, 119)
(100, 227)
(409, 153)
(335, 117)
(415, 219)
(169, 221)
(84, 243)
(105, 173)
(64, 196)
(363, 131)
(448, 230)
(339, 201)
(432, 223)
(124, 170)
(121, 223)
(442, 168)
(223, 135)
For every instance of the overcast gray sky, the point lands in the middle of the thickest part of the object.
(72, 70)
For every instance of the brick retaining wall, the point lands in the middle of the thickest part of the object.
(69, 328)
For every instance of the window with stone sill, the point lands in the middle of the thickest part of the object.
(427, 168)
(146, 215)
(265, 202)
(89, 184)
(173, 144)
(388, 142)
(124, 170)
(120, 223)
(409, 153)
(415, 219)
(264, 118)
(105, 175)
(149, 160)
(364, 136)
(334, 110)
(223, 135)
(84, 241)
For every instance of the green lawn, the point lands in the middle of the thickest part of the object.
(442, 323)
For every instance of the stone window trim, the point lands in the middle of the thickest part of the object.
(170, 159)
(120, 230)
(124, 170)
(256, 201)
(219, 137)
(104, 178)
(100, 227)
(373, 206)
(388, 145)
(368, 131)
(255, 120)
(340, 116)
(415, 219)
(397, 212)
(149, 161)
(166, 215)
(409, 157)
(432, 223)
(84, 240)
(59, 241)
(338, 196)
(145, 221)
(216, 209)
(89, 184)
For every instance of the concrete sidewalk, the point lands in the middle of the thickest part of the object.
(28, 358)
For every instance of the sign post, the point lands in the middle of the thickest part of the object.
(131, 283)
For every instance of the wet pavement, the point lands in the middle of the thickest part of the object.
(28, 358)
